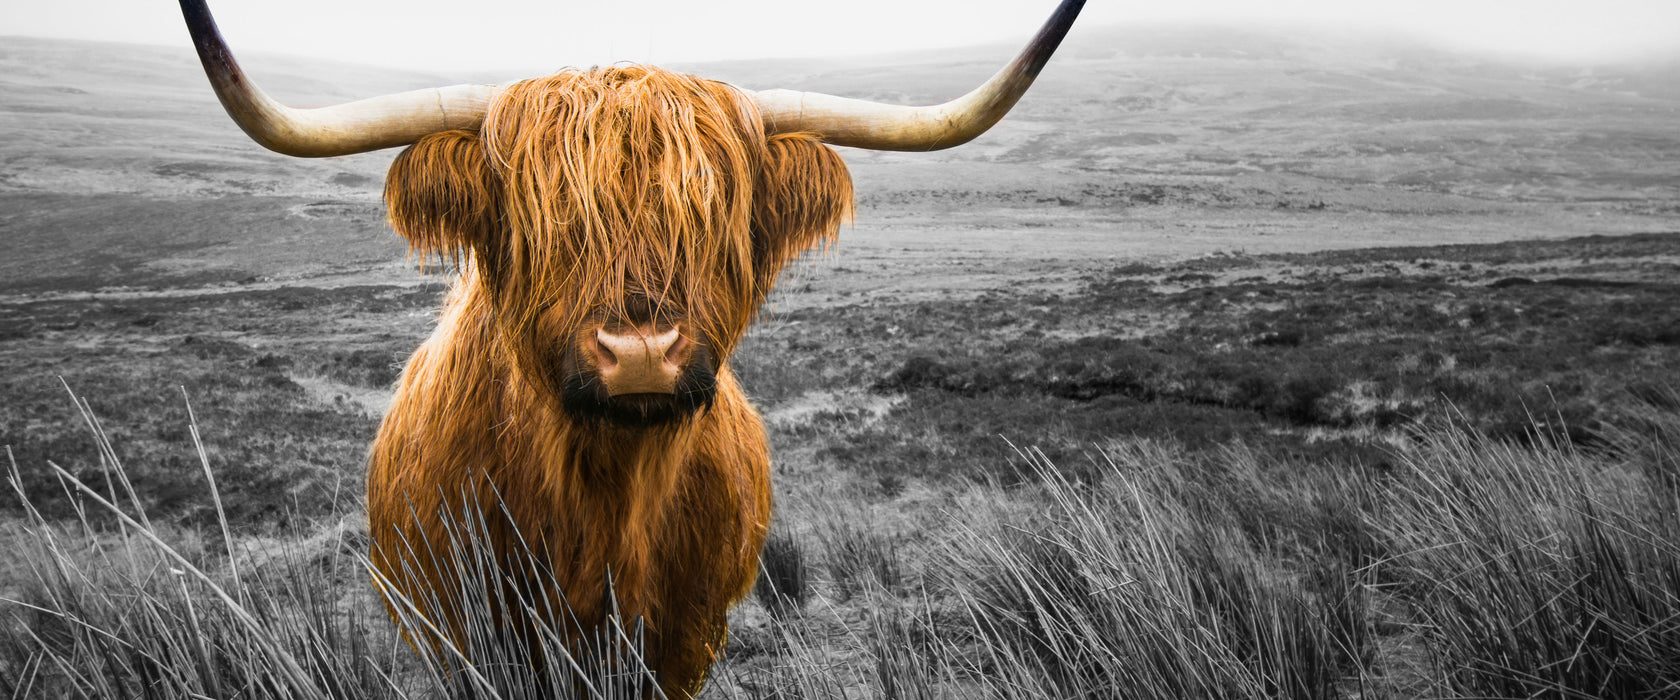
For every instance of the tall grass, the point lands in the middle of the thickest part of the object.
(1531, 570)
(1544, 571)
(137, 609)
(123, 612)
(1075, 589)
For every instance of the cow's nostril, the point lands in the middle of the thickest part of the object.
(676, 348)
(665, 344)
(604, 357)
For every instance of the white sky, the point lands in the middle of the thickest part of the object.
(542, 35)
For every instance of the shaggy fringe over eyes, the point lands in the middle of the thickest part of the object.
(588, 192)
(442, 195)
(626, 180)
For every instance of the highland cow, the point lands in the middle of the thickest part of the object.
(616, 230)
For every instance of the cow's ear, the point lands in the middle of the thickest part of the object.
(802, 195)
(442, 195)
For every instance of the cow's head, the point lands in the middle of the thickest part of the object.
(625, 223)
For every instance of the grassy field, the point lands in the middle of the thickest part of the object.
(1231, 365)
(1305, 461)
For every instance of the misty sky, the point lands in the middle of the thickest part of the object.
(541, 35)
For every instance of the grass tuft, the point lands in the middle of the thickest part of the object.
(782, 587)
(1539, 571)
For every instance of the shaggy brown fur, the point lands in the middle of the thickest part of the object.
(585, 194)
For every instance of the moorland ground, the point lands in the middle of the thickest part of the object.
(1290, 272)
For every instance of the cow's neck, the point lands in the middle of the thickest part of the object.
(607, 491)
(638, 467)
(623, 487)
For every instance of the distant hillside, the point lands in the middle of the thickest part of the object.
(99, 117)
(126, 118)
(1176, 100)
(112, 156)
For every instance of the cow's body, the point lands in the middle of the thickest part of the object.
(574, 415)
(678, 515)
(596, 212)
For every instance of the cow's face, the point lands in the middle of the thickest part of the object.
(626, 224)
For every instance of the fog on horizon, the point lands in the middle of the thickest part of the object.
(548, 34)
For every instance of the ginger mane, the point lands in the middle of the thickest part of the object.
(626, 180)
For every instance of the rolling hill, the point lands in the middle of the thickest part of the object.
(118, 168)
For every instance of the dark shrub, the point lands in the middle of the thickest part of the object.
(782, 587)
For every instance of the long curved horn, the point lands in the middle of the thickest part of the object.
(883, 127)
(354, 127)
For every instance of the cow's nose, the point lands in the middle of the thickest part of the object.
(639, 359)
